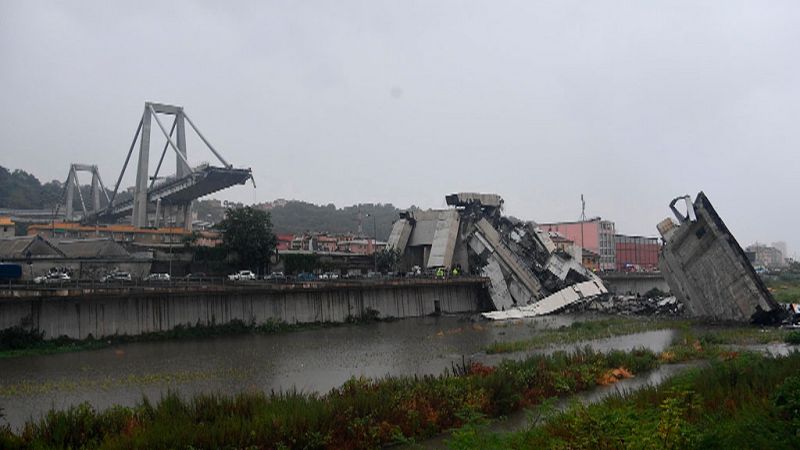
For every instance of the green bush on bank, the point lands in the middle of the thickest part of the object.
(749, 401)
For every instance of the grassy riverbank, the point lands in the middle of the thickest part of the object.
(621, 326)
(747, 401)
(361, 414)
(21, 342)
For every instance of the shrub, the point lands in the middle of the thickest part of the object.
(17, 337)
(793, 338)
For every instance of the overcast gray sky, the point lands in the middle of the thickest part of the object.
(629, 103)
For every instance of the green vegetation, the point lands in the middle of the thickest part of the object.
(361, 414)
(247, 235)
(387, 260)
(792, 338)
(298, 217)
(742, 335)
(597, 329)
(748, 401)
(19, 189)
(294, 264)
(785, 287)
(582, 331)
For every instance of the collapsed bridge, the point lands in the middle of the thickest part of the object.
(529, 275)
(156, 198)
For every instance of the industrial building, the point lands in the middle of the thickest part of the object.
(636, 253)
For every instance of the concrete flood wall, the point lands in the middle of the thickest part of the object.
(132, 313)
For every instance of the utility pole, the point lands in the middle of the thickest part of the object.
(583, 218)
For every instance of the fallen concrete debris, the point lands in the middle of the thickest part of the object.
(707, 270)
(630, 305)
(551, 303)
(529, 276)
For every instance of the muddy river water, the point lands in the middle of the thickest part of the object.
(312, 360)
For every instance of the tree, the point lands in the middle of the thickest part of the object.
(247, 233)
(387, 260)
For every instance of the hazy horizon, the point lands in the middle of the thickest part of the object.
(630, 104)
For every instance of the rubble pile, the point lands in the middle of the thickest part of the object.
(630, 305)
(528, 275)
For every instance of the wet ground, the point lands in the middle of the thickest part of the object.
(312, 361)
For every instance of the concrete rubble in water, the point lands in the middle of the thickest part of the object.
(529, 276)
(707, 270)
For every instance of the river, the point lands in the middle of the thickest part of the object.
(313, 360)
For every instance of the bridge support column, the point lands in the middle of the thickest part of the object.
(95, 192)
(70, 187)
(187, 216)
(139, 218)
(182, 169)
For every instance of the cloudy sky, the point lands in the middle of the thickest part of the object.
(628, 103)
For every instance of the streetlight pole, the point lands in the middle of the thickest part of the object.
(374, 241)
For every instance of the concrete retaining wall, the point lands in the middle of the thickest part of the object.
(105, 314)
(634, 282)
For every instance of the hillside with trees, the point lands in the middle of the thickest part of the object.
(295, 217)
(21, 190)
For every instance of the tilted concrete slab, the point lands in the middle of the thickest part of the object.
(498, 290)
(708, 271)
(552, 303)
(524, 275)
(398, 238)
(444, 239)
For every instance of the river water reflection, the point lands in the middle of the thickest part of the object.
(311, 360)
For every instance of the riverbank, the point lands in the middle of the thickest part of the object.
(317, 362)
(606, 327)
(744, 401)
(363, 413)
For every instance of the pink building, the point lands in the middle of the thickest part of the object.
(596, 235)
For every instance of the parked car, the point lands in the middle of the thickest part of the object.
(116, 276)
(199, 276)
(305, 276)
(157, 277)
(329, 276)
(242, 275)
(275, 277)
(57, 277)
